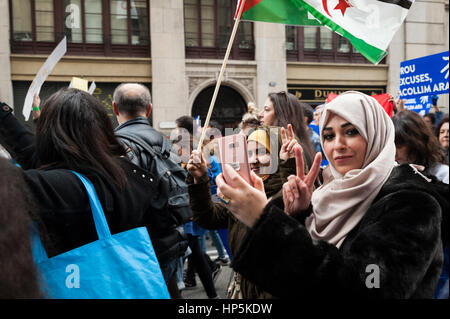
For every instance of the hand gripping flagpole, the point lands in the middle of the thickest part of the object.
(222, 71)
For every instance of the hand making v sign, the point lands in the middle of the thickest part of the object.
(297, 191)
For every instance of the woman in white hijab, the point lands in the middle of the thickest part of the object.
(372, 230)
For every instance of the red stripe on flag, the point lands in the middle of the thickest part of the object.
(248, 5)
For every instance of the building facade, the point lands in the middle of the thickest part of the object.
(176, 47)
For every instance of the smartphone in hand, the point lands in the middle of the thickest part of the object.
(233, 151)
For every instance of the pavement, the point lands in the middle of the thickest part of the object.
(221, 283)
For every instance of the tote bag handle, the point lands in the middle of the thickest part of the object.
(101, 225)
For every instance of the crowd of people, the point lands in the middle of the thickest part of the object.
(354, 205)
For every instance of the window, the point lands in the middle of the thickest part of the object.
(92, 27)
(44, 20)
(39, 26)
(22, 24)
(208, 26)
(129, 22)
(319, 44)
(86, 28)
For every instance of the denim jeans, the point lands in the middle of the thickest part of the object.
(217, 242)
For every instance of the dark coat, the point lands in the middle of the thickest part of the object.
(400, 234)
(141, 128)
(173, 241)
(64, 209)
(212, 216)
(63, 205)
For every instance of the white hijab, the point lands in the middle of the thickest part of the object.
(341, 202)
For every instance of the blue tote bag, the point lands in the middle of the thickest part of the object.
(120, 266)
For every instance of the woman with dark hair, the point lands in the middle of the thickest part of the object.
(442, 135)
(415, 144)
(283, 108)
(18, 275)
(75, 133)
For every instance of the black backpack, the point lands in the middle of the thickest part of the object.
(172, 197)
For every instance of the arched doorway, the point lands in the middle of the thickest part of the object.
(228, 110)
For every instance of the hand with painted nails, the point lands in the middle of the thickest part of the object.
(297, 191)
(244, 201)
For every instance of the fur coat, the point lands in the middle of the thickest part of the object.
(396, 251)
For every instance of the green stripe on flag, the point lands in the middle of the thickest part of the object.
(373, 54)
(279, 11)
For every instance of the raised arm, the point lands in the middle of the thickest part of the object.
(18, 137)
(206, 213)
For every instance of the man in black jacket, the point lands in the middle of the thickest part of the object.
(132, 106)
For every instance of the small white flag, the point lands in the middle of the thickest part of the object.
(41, 76)
(92, 88)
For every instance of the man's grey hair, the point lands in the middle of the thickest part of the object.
(132, 98)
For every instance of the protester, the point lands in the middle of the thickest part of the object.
(372, 230)
(398, 103)
(430, 120)
(442, 291)
(214, 170)
(283, 108)
(132, 106)
(415, 144)
(210, 215)
(250, 120)
(249, 123)
(18, 278)
(309, 117)
(75, 133)
(442, 135)
(198, 261)
(317, 113)
(315, 126)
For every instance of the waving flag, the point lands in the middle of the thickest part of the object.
(276, 11)
(370, 25)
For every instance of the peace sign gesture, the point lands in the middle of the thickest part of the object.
(297, 191)
(289, 142)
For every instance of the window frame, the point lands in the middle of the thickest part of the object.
(107, 48)
(300, 54)
(199, 52)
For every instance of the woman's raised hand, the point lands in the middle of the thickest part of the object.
(289, 142)
(196, 165)
(36, 112)
(297, 191)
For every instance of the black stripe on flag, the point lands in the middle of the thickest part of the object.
(402, 3)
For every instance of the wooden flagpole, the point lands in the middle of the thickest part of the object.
(222, 71)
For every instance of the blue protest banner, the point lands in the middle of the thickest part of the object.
(424, 76)
(421, 105)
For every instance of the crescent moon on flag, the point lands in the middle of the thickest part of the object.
(325, 7)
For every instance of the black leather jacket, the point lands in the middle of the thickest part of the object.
(172, 244)
(141, 128)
